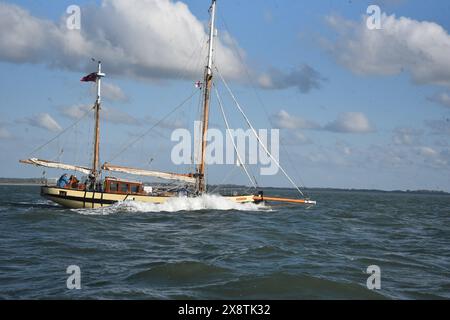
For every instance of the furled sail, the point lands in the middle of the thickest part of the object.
(56, 165)
(140, 172)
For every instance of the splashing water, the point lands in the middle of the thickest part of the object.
(204, 202)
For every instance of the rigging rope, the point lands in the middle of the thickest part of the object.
(188, 64)
(256, 134)
(252, 85)
(61, 133)
(219, 185)
(152, 127)
(254, 183)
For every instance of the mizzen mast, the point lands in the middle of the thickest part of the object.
(201, 180)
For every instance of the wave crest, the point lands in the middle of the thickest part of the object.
(176, 204)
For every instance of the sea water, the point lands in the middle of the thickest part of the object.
(211, 248)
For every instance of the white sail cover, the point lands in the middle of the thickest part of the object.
(140, 172)
(56, 165)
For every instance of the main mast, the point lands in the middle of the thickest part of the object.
(95, 163)
(201, 181)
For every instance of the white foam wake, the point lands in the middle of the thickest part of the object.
(205, 202)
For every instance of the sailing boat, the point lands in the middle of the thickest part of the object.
(97, 192)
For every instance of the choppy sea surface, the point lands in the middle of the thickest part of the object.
(211, 249)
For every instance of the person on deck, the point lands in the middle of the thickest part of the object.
(90, 184)
(73, 182)
(63, 181)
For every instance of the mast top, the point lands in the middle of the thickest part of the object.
(212, 9)
(100, 74)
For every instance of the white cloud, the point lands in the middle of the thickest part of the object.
(304, 78)
(300, 138)
(421, 48)
(75, 112)
(113, 92)
(150, 39)
(347, 122)
(144, 39)
(442, 98)
(294, 138)
(329, 156)
(439, 127)
(433, 157)
(344, 148)
(387, 156)
(318, 157)
(112, 115)
(427, 151)
(350, 122)
(414, 155)
(406, 136)
(284, 120)
(43, 121)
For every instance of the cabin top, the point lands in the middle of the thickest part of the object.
(120, 186)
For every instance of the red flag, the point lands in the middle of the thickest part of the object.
(90, 77)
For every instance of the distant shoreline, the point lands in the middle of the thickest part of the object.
(22, 181)
(19, 184)
(40, 181)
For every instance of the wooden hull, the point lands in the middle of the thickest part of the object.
(78, 199)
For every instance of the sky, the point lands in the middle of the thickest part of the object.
(357, 107)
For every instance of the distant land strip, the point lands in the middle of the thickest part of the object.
(40, 181)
